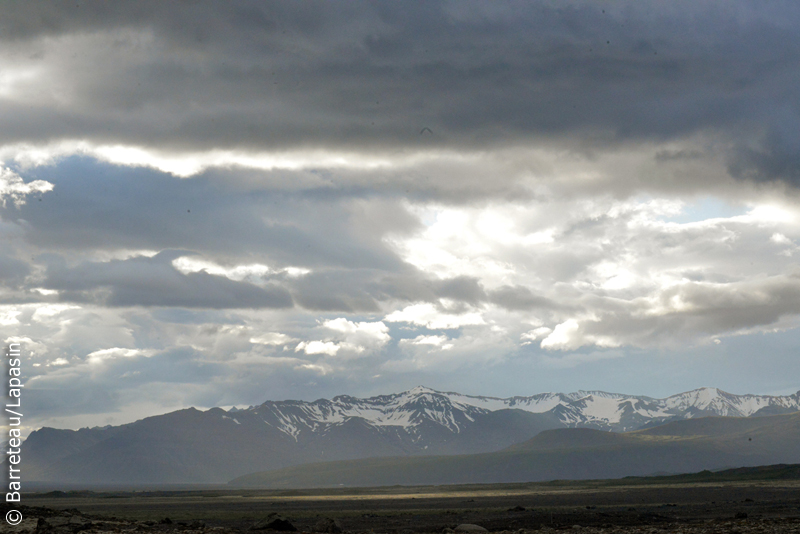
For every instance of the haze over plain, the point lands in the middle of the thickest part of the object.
(214, 204)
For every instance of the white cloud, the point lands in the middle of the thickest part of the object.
(353, 339)
(426, 340)
(45, 292)
(427, 315)
(15, 80)
(100, 356)
(48, 311)
(318, 368)
(537, 333)
(780, 239)
(254, 272)
(188, 163)
(8, 317)
(14, 189)
(318, 347)
(565, 336)
(376, 333)
(272, 338)
(433, 341)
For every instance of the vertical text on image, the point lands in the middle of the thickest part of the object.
(14, 411)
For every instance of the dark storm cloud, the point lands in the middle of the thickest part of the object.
(269, 75)
(775, 158)
(142, 281)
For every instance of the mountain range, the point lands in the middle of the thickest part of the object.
(213, 446)
(709, 443)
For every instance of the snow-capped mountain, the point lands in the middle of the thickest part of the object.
(217, 445)
(455, 412)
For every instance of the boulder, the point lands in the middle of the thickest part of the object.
(274, 522)
(328, 525)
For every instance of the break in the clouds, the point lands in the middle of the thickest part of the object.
(219, 203)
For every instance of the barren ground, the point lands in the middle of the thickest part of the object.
(590, 507)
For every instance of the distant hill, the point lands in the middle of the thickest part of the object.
(739, 474)
(213, 446)
(678, 447)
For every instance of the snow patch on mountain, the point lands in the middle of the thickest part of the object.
(407, 411)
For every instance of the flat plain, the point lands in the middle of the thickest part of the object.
(640, 505)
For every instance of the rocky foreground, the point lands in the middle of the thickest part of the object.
(37, 520)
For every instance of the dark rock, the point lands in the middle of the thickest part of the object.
(42, 525)
(517, 508)
(197, 524)
(328, 525)
(165, 521)
(274, 522)
(741, 515)
(58, 521)
(77, 523)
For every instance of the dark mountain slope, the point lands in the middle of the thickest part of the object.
(680, 447)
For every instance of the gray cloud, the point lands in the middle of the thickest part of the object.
(69, 400)
(142, 281)
(367, 76)
(102, 207)
(776, 158)
(702, 311)
(542, 202)
(12, 271)
(519, 298)
(336, 290)
(461, 288)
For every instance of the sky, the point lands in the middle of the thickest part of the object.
(222, 203)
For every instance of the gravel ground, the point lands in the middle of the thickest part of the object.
(741, 508)
(46, 521)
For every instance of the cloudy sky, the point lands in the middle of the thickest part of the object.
(219, 203)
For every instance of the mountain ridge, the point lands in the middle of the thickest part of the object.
(186, 445)
(596, 408)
